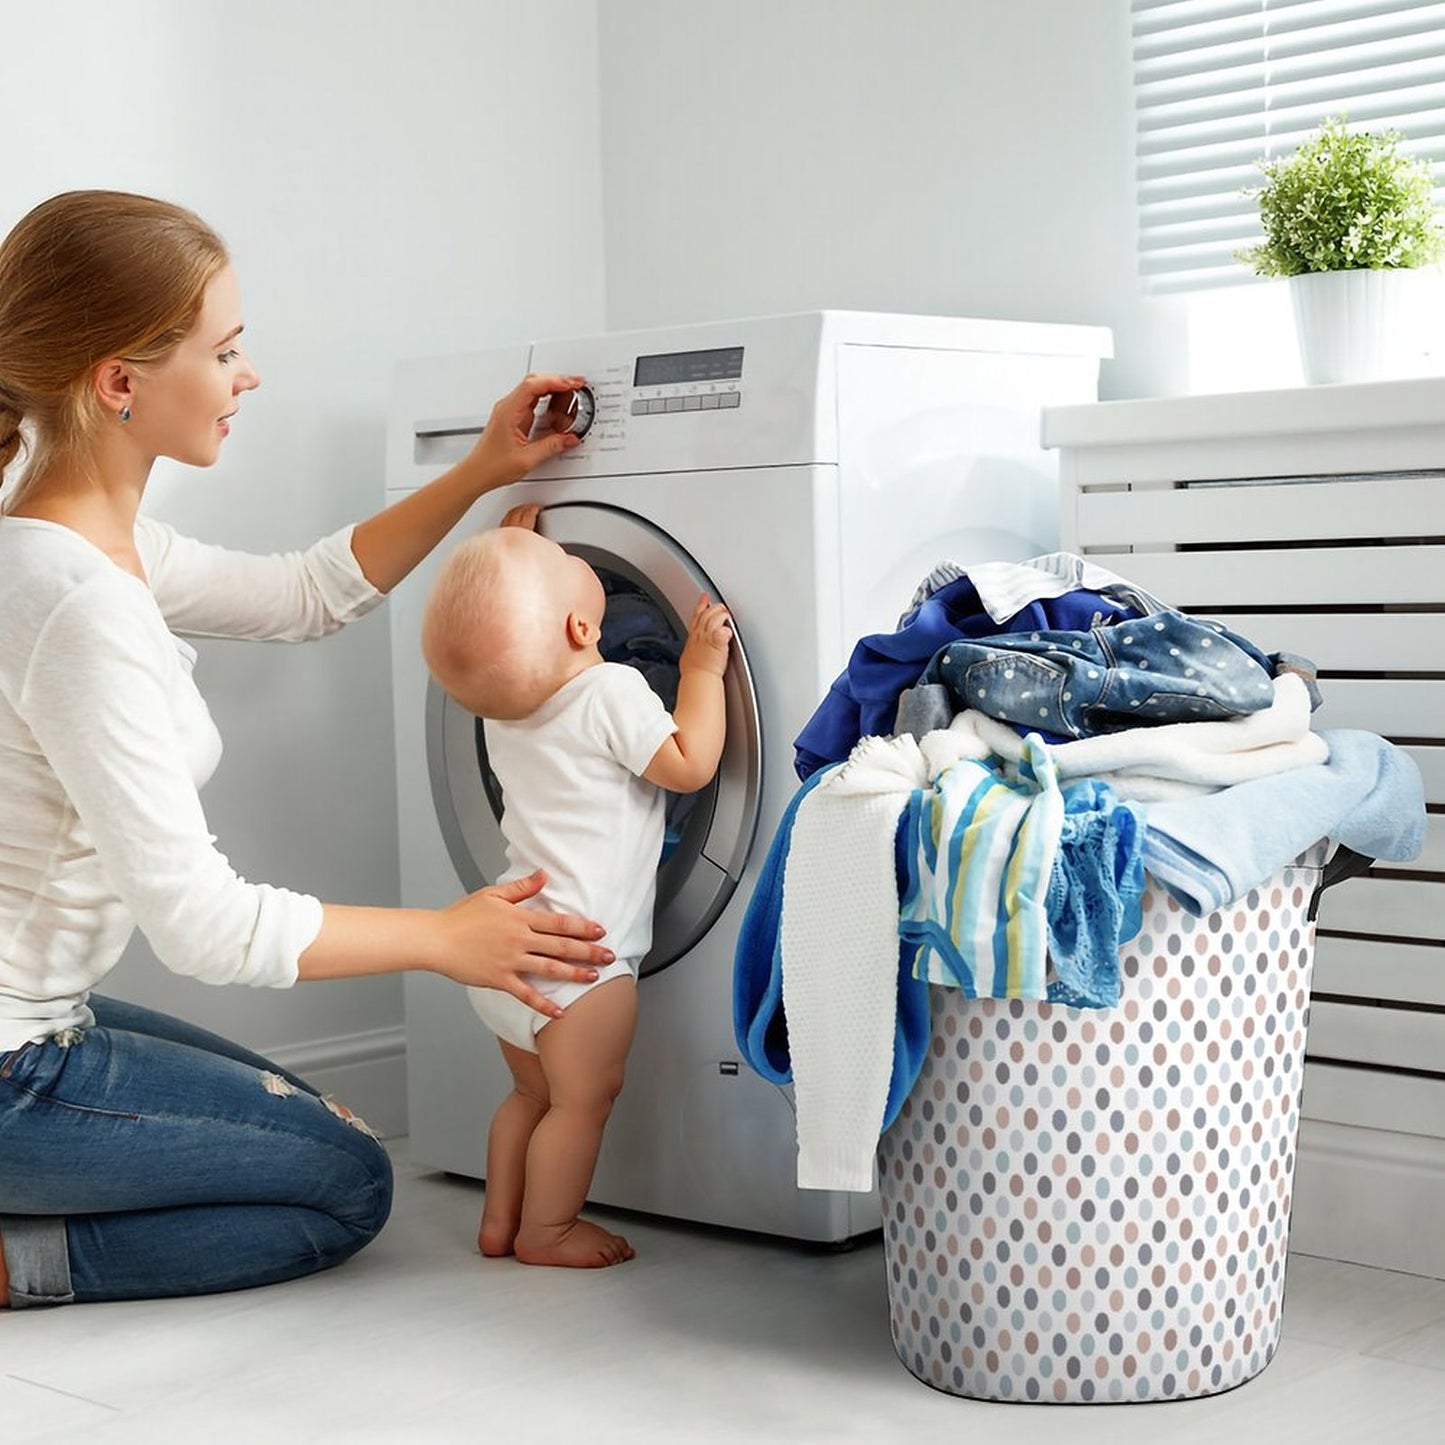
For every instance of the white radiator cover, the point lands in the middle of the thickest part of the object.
(1313, 521)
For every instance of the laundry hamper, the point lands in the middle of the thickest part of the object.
(1093, 1205)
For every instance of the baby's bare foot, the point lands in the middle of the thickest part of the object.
(496, 1236)
(578, 1245)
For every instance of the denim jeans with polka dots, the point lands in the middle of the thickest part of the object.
(1163, 668)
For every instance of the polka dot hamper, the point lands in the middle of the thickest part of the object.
(1093, 1205)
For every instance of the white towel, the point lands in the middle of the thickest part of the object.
(839, 940)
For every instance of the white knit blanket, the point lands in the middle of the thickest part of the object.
(839, 941)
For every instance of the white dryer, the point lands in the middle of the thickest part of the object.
(808, 471)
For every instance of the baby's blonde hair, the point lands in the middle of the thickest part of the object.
(491, 635)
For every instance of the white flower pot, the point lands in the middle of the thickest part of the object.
(1351, 325)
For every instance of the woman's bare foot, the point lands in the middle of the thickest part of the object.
(578, 1245)
(495, 1236)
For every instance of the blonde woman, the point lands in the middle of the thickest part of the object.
(139, 1156)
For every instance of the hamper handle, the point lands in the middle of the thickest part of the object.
(1343, 863)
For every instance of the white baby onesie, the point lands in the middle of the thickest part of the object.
(575, 804)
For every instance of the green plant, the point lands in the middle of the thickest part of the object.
(1345, 202)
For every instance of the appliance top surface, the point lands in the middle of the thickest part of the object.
(708, 396)
(865, 328)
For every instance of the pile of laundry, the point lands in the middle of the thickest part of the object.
(986, 792)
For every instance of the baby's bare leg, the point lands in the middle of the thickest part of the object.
(511, 1132)
(582, 1055)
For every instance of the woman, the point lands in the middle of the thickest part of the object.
(139, 1156)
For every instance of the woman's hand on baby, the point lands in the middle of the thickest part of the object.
(492, 943)
(506, 449)
(708, 636)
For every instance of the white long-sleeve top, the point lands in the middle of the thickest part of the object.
(104, 744)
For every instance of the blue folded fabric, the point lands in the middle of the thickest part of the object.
(863, 700)
(759, 1024)
(1211, 850)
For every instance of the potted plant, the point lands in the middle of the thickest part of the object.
(1345, 217)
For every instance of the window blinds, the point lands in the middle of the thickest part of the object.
(1218, 84)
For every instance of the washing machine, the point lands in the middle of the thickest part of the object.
(808, 471)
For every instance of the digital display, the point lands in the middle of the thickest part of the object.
(677, 368)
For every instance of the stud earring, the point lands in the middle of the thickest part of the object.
(124, 414)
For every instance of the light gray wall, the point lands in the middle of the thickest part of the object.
(969, 157)
(456, 173)
(383, 175)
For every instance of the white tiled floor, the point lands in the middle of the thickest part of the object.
(704, 1338)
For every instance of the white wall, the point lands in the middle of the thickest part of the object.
(970, 157)
(386, 179)
(397, 180)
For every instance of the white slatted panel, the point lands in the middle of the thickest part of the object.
(1220, 83)
(1403, 907)
(1350, 641)
(1304, 576)
(1351, 574)
(1267, 512)
(1399, 708)
(1396, 1038)
(1367, 1099)
(1367, 969)
(1324, 535)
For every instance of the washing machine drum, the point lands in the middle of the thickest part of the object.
(651, 585)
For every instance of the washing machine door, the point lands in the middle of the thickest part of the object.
(652, 585)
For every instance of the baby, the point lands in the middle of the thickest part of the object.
(583, 750)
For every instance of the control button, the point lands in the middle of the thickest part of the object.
(674, 403)
(709, 401)
(692, 403)
(731, 398)
(639, 407)
(655, 405)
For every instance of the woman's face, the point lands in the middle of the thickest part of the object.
(183, 406)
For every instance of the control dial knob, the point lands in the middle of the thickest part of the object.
(571, 411)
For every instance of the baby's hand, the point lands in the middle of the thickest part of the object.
(525, 514)
(708, 635)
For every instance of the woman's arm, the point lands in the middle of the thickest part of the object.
(390, 544)
(484, 940)
(98, 705)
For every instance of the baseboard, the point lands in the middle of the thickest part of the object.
(1370, 1196)
(365, 1071)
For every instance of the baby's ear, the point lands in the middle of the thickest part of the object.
(581, 631)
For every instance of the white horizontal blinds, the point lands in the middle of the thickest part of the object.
(1220, 83)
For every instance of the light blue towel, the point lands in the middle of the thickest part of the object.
(1211, 850)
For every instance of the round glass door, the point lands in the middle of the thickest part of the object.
(651, 586)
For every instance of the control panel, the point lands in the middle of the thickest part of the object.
(666, 383)
(654, 384)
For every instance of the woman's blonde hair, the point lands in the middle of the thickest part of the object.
(85, 276)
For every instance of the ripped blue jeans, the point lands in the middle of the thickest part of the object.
(144, 1157)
